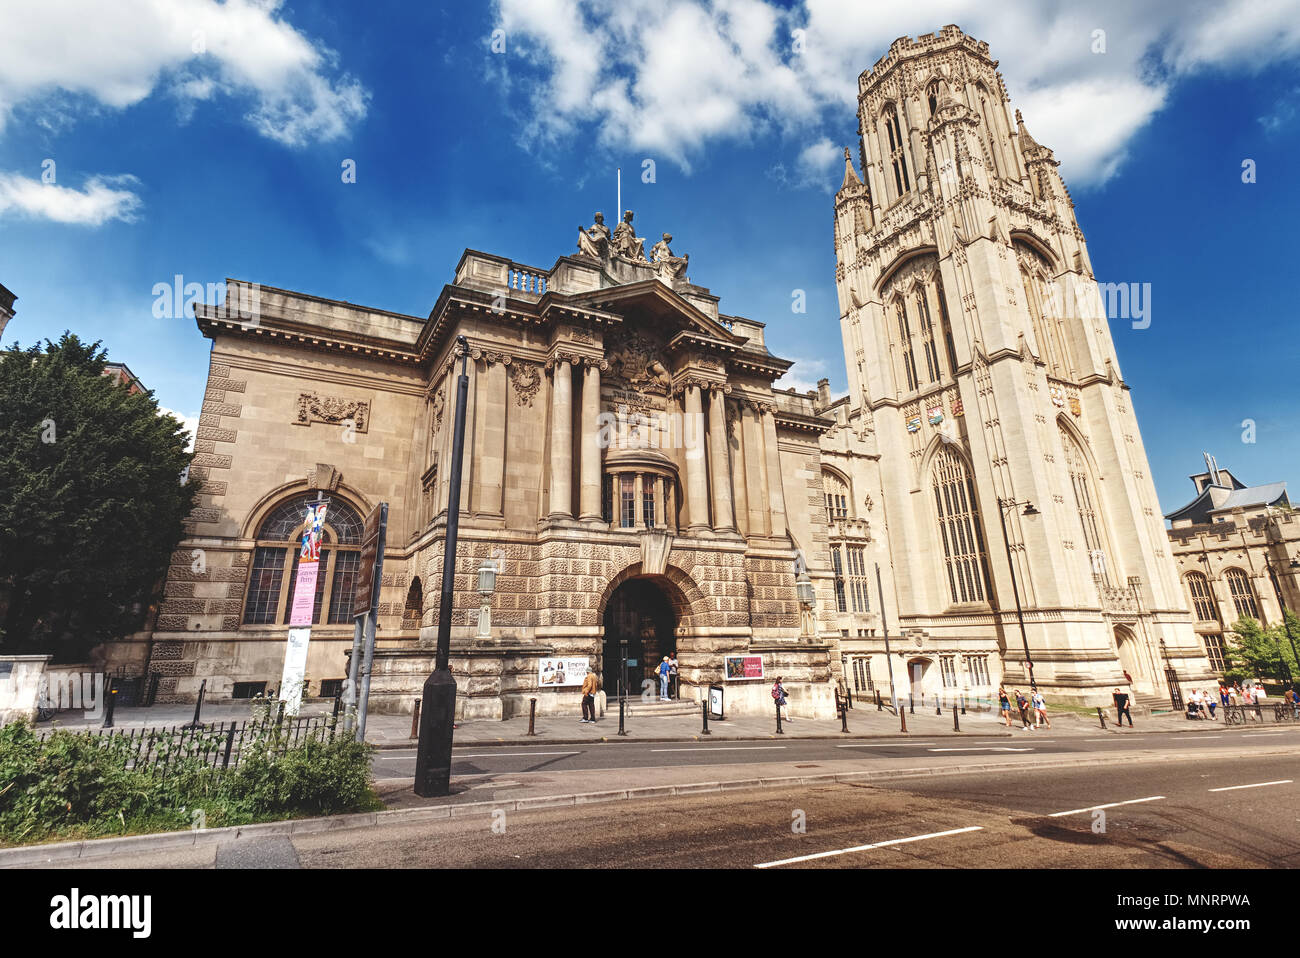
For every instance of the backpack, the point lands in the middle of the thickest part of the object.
(776, 692)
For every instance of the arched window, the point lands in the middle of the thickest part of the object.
(1085, 501)
(837, 497)
(275, 563)
(932, 96)
(414, 608)
(1198, 586)
(1045, 314)
(905, 343)
(959, 526)
(1243, 596)
(946, 324)
(927, 334)
(897, 153)
(992, 133)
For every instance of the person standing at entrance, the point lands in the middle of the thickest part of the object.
(677, 686)
(1121, 709)
(665, 670)
(589, 686)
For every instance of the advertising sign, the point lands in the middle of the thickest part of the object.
(295, 669)
(304, 594)
(560, 673)
(741, 667)
(715, 700)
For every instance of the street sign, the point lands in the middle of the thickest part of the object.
(369, 555)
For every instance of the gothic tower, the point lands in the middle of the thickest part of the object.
(978, 353)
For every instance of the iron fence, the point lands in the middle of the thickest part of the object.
(1276, 712)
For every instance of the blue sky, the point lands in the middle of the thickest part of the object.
(227, 162)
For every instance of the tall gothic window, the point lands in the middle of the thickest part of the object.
(1085, 503)
(992, 135)
(1045, 315)
(1243, 596)
(275, 563)
(897, 154)
(932, 96)
(1198, 586)
(837, 560)
(837, 497)
(945, 324)
(905, 343)
(959, 526)
(927, 335)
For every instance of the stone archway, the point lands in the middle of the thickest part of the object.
(1130, 658)
(669, 605)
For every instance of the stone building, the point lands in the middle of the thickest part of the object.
(6, 310)
(632, 474)
(1238, 553)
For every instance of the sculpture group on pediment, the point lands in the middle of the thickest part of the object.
(636, 358)
(624, 246)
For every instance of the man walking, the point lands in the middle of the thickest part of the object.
(589, 686)
(1022, 704)
(1121, 709)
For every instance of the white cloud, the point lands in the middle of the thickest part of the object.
(101, 200)
(803, 375)
(675, 76)
(818, 163)
(191, 424)
(117, 54)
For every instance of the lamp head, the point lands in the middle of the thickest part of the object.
(1029, 510)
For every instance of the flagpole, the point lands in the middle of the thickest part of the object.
(618, 210)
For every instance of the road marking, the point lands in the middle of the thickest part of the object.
(885, 745)
(995, 748)
(864, 848)
(1093, 808)
(1259, 734)
(722, 748)
(1231, 788)
(511, 754)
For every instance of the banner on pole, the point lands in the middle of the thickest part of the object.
(295, 670)
(303, 610)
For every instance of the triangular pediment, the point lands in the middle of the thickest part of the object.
(669, 311)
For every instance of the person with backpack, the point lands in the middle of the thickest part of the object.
(1022, 704)
(1040, 709)
(778, 696)
(664, 670)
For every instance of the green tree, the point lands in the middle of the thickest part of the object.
(1254, 651)
(91, 502)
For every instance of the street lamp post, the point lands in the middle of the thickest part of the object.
(1004, 505)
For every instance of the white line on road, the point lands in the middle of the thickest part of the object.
(722, 748)
(884, 745)
(994, 748)
(1232, 788)
(1093, 808)
(863, 848)
(1259, 734)
(510, 754)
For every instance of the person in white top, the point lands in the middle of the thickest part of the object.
(1260, 694)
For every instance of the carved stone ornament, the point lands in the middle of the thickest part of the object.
(637, 359)
(324, 477)
(334, 410)
(526, 378)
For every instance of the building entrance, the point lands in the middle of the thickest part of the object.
(640, 615)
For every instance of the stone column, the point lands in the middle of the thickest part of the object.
(755, 471)
(670, 505)
(490, 440)
(723, 520)
(561, 441)
(697, 493)
(589, 446)
(775, 494)
(738, 485)
(638, 502)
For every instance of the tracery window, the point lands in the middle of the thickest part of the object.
(927, 335)
(959, 526)
(275, 563)
(837, 497)
(1081, 482)
(897, 154)
(1243, 596)
(1198, 586)
(905, 343)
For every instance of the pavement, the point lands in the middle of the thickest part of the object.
(864, 721)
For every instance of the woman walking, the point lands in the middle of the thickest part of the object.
(778, 696)
(1004, 703)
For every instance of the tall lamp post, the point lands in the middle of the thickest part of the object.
(438, 708)
(1004, 506)
(1286, 624)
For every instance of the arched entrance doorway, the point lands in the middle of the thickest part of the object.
(918, 672)
(640, 614)
(1130, 657)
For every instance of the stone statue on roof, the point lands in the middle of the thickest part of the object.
(668, 266)
(626, 243)
(593, 241)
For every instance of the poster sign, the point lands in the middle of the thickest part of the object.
(559, 673)
(741, 667)
(715, 700)
(295, 670)
(303, 610)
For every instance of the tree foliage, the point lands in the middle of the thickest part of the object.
(1257, 652)
(91, 503)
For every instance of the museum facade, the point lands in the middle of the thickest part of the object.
(979, 504)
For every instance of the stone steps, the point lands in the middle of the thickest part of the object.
(635, 706)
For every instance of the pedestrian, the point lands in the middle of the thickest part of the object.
(1022, 704)
(1004, 703)
(1040, 709)
(1208, 698)
(589, 687)
(1121, 709)
(779, 697)
(664, 671)
(1223, 695)
(672, 662)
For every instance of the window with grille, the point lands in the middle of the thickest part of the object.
(857, 556)
(837, 561)
(837, 497)
(1081, 482)
(977, 669)
(267, 601)
(648, 501)
(1243, 596)
(948, 669)
(861, 670)
(1214, 652)
(959, 527)
(897, 155)
(1202, 601)
(627, 502)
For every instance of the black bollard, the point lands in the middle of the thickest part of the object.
(415, 719)
(704, 710)
(532, 715)
(1101, 715)
(108, 706)
(198, 706)
(956, 725)
(911, 704)
(879, 706)
(777, 703)
(938, 706)
(963, 703)
(902, 715)
(844, 717)
(848, 696)
(621, 730)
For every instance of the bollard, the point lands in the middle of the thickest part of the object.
(844, 718)
(532, 715)
(1101, 715)
(108, 706)
(621, 730)
(956, 724)
(902, 715)
(911, 703)
(879, 706)
(938, 706)
(198, 706)
(415, 719)
(963, 703)
(848, 695)
(704, 710)
(777, 703)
